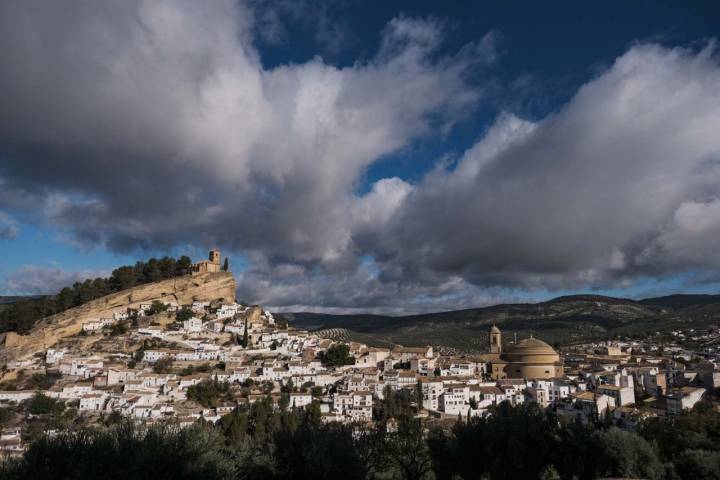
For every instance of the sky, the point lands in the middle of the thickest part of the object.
(387, 157)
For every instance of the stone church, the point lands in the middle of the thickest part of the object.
(207, 266)
(528, 358)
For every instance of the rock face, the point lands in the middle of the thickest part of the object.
(183, 290)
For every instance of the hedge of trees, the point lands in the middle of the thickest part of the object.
(262, 442)
(21, 316)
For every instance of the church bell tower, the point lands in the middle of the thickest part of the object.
(495, 340)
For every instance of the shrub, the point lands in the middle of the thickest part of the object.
(42, 404)
(208, 392)
(338, 355)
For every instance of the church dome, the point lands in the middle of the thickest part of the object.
(532, 351)
(494, 329)
(532, 346)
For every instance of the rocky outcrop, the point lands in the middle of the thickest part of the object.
(183, 290)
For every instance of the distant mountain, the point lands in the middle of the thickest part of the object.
(562, 319)
(682, 300)
(7, 300)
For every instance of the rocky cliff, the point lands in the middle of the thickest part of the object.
(183, 290)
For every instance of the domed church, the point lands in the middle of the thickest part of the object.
(529, 358)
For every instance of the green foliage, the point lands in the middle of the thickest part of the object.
(42, 381)
(226, 265)
(264, 442)
(393, 404)
(338, 355)
(183, 314)
(124, 451)
(36, 381)
(6, 414)
(119, 328)
(21, 316)
(318, 451)
(625, 454)
(42, 404)
(157, 307)
(698, 464)
(190, 369)
(409, 450)
(245, 338)
(208, 392)
(163, 365)
(696, 429)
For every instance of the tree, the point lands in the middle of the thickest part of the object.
(157, 307)
(338, 355)
(408, 449)
(226, 265)
(246, 338)
(318, 451)
(373, 447)
(42, 404)
(288, 387)
(183, 265)
(625, 454)
(6, 414)
(163, 365)
(151, 271)
(126, 451)
(21, 316)
(183, 314)
(119, 328)
(697, 464)
(208, 392)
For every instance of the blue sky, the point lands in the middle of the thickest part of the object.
(282, 131)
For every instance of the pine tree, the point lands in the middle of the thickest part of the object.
(245, 336)
(226, 265)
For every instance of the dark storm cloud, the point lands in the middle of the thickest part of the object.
(132, 124)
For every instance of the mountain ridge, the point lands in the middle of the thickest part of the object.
(562, 318)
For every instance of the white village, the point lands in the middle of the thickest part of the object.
(162, 359)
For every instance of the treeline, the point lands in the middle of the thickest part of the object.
(21, 316)
(263, 442)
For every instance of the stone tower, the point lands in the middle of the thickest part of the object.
(215, 257)
(495, 340)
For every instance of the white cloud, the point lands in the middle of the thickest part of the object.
(155, 123)
(572, 201)
(42, 280)
(8, 227)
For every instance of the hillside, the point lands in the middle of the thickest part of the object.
(183, 290)
(561, 320)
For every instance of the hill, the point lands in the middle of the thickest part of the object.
(561, 320)
(182, 290)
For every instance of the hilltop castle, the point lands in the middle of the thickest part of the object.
(207, 266)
